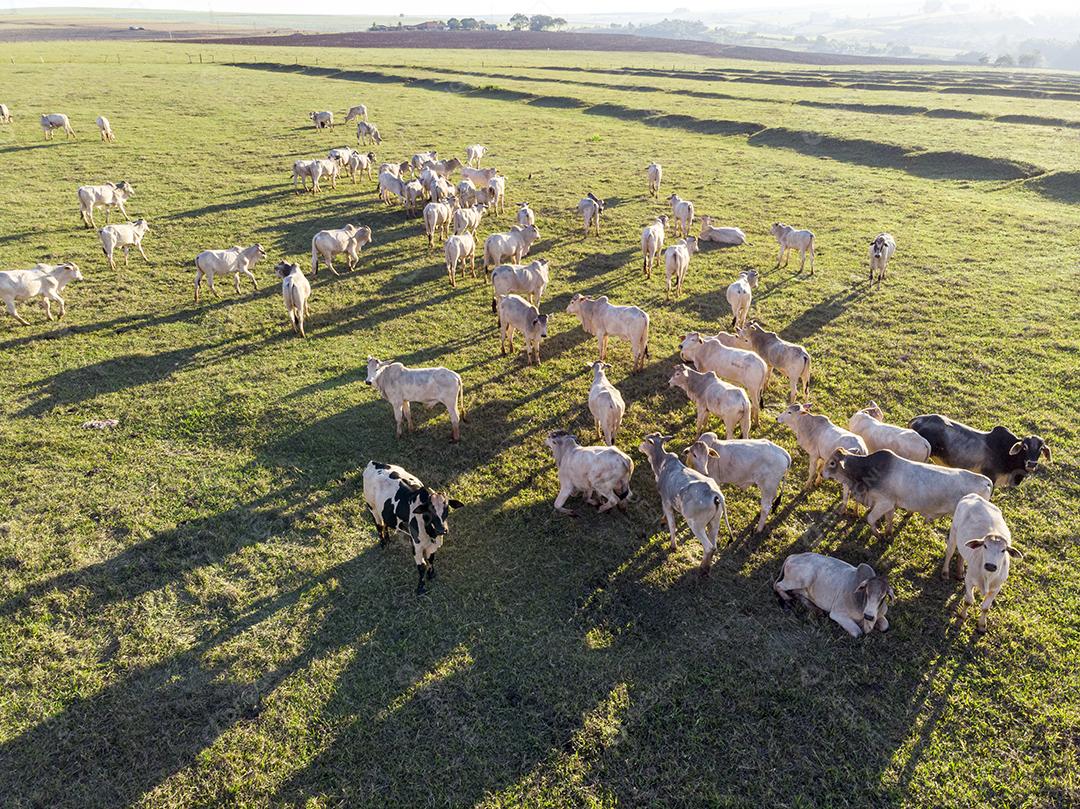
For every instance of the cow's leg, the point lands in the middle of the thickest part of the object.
(431, 567)
(236, 282)
(811, 476)
(455, 420)
(45, 305)
(879, 510)
(210, 283)
(984, 608)
(198, 282)
(851, 626)
(602, 340)
(126, 248)
(420, 578)
(566, 491)
(146, 258)
(780, 257)
(802, 259)
(15, 314)
(398, 412)
(669, 515)
(63, 304)
(703, 418)
(969, 598)
(406, 408)
(254, 280)
(950, 549)
(768, 496)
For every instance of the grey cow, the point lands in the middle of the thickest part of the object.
(694, 495)
(855, 597)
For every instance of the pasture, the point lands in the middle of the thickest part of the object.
(194, 608)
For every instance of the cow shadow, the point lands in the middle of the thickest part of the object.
(821, 314)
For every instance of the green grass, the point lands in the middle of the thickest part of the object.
(194, 609)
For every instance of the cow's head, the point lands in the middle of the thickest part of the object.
(689, 345)
(259, 251)
(874, 411)
(995, 550)
(874, 590)
(697, 456)
(283, 269)
(540, 324)
(431, 511)
(680, 377)
(691, 244)
(777, 228)
(789, 415)
(1030, 449)
(373, 367)
(73, 268)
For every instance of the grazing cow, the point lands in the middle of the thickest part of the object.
(296, 291)
(652, 242)
(884, 481)
(528, 280)
(820, 439)
(366, 132)
(881, 250)
(869, 423)
(590, 209)
(398, 501)
(654, 172)
(739, 296)
(322, 120)
(603, 319)
(683, 213)
(743, 463)
(855, 597)
(517, 313)
(791, 239)
(53, 121)
(46, 280)
(124, 236)
(605, 404)
(677, 262)
(601, 474)
(726, 236)
(315, 170)
(791, 360)
(430, 386)
(5, 114)
(233, 261)
(106, 196)
(467, 220)
(357, 112)
(474, 153)
(711, 394)
(105, 129)
(736, 365)
(982, 537)
(329, 243)
(694, 495)
(513, 245)
(998, 454)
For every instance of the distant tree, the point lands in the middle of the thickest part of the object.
(519, 22)
(453, 24)
(469, 23)
(1032, 59)
(559, 22)
(541, 22)
(1005, 60)
(973, 57)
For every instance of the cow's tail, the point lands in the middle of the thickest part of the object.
(461, 400)
(805, 377)
(314, 258)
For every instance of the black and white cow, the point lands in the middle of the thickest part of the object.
(998, 454)
(400, 502)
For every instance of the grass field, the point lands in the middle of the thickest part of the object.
(194, 609)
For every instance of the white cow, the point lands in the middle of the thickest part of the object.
(296, 291)
(459, 248)
(5, 114)
(517, 314)
(791, 239)
(400, 386)
(603, 319)
(528, 280)
(106, 196)
(474, 153)
(233, 261)
(726, 236)
(366, 132)
(743, 463)
(736, 365)
(53, 121)
(819, 438)
(467, 220)
(711, 394)
(790, 359)
(652, 242)
(329, 243)
(602, 474)
(124, 236)
(590, 208)
(605, 404)
(856, 598)
(359, 111)
(677, 262)
(739, 296)
(525, 215)
(45, 280)
(654, 172)
(979, 532)
(513, 245)
(881, 250)
(869, 423)
(105, 129)
(322, 120)
(437, 217)
(683, 211)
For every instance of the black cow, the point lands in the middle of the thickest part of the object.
(398, 501)
(998, 454)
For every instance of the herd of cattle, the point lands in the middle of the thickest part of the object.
(878, 465)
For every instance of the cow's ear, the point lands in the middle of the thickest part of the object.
(454, 503)
(1045, 450)
(1014, 552)
(974, 543)
(1016, 448)
(891, 595)
(713, 453)
(861, 587)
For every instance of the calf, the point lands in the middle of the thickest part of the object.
(295, 290)
(739, 296)
(529, 280)
(525, 215)
(602, 474)
(398, 501)
(329, 243)
(430, 386)
(45, 280)
(998, 454)
(856, 598)
(677, 262)
(982, 537)
(603, 319)
(652, 242)
(357, 112)
(743, 463)
(820, 439)
(590, 209)
(106, 196)
(683, 211)
(876, 434)
(736, 365)
(474, 153)
(881, 250)
(654, 173)
(712, 395)
(366, 133)
(233, 261)
(605, 404)
(467, 220)
(692, 494)
(124, 237)
(791, 360)
(437, 216)
(884, 481)
(791, 239)
(517, 313)
(105, 129)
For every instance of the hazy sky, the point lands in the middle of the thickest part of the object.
(495, 9)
